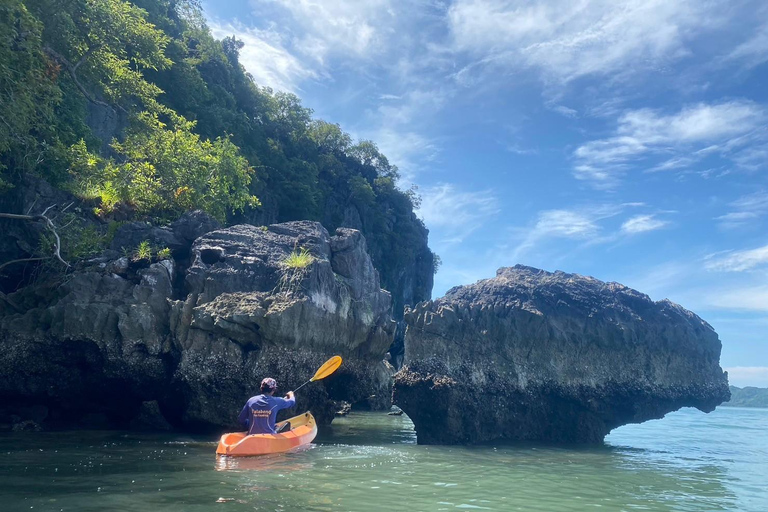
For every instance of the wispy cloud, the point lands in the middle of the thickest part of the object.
(566, 224)
(586, 226)
(455, 213)
(265, 56)
(567, 40)
(564, 111)
(738, 261)
(752, 52)
(408, 150)
(745, 210)
(397, 125)
(693, 284)
(580, 225)
(689, 134)
(642, 223)
(347, 27)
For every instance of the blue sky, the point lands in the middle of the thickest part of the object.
(626, 140)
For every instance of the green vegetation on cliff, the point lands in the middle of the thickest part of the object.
(135, 108)
(748, 397)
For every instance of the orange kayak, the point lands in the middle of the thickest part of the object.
(239, 444)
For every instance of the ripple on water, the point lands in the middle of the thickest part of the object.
(369, 461)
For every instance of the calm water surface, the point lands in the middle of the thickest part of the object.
(688, 461)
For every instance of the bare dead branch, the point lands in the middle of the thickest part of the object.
(32, 206)
(48, 224)
(72, 70)
(22, 260)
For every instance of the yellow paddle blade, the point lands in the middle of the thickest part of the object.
(328, 368)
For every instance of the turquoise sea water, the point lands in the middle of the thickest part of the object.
(688, 461)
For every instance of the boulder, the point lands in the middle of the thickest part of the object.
(534, 355)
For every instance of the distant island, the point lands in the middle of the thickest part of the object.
(748, 397)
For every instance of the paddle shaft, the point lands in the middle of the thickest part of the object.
(298, 388)
(328, 368)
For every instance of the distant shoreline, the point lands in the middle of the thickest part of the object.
(748, 396)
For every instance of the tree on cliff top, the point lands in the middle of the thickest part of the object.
(210, 136)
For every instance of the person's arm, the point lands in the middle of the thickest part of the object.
(245, 416)
(288, 401)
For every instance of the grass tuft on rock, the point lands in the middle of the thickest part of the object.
(298, 259)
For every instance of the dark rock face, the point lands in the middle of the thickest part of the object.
(533, 355)
(139, 343)
(247, 317)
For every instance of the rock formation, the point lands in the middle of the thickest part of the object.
(533, 355)
(186, 340)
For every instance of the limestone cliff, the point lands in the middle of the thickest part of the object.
(190, 337)
(551, 356)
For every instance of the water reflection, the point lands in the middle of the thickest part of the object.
(275, 462)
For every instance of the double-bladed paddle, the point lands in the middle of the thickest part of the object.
(324, 371)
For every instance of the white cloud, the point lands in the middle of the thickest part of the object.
(581, 224)
(734, 219)
(697, 123)
(348, 27)
(678, 162)
(265, 57)
(754, 51)
(738, 261)
(757, 202)
(741, 376)
(564, 111)
(407, 150)
(566, 224)
(567, 39)
(396, 125)
(642, 223)
(584, 226)
(640, 134)
(456, 213)
(745, 210)
(410, 106)
(519, 150)
(752, 158)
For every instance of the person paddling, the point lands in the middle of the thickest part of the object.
(260, 412)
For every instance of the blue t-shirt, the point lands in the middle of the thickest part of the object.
(259, 413)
